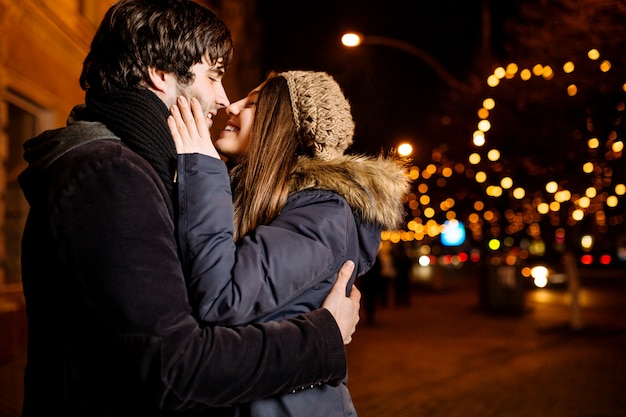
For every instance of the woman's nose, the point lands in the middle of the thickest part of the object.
(233, 109)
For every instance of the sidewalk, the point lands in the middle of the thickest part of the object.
(443, 356)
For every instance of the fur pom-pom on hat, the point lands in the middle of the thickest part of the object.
(321, 113)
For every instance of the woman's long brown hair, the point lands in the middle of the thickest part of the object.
(261, 179)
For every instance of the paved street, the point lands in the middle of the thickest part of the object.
(443, 356)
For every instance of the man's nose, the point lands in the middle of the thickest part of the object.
(221, 97)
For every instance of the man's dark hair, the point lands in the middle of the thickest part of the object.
(170, 35)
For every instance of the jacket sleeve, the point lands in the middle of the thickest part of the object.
(204, 192)
(115, 229)
(273, 265)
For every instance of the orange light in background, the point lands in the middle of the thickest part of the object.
(593, 54)
(351, 39)
(493, 155)
(484, 125)
(479, 138)
(547, 73)
(586, 242)
(405, 149)
(578, 215)
(519, 193)
(593, 143)
(552, 187)
(511, 70)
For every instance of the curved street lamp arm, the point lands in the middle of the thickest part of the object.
(421, 54)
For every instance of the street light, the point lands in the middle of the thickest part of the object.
(405, 149)
(353, 39)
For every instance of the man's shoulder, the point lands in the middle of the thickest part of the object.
(105, 155)
(44, 150)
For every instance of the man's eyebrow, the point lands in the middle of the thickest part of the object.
(217, 66)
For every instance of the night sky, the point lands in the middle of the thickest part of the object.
(539, 128)
(394, 95)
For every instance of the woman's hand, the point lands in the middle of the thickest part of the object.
(189, 128)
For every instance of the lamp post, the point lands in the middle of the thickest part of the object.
(353, 39)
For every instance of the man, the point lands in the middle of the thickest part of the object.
(110, 329)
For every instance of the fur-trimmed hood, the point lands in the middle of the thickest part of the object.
(375, 187)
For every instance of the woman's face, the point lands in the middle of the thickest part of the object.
(233, 140)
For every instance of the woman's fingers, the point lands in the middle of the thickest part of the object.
(189, 128)
(200, 120)
(188, 117)
(178, 129)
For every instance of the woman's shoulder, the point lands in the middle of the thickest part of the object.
(315, 197)
(374, 187)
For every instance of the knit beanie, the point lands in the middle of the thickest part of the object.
(321, 113)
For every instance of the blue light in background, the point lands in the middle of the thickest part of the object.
(453, 233)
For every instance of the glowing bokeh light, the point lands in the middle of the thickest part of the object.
(405, 149)
(351, 39)
(593, 54)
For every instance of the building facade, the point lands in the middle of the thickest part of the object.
(42, 47)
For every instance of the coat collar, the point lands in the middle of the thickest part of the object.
(375, 187)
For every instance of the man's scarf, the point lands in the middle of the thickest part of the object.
(139, 118)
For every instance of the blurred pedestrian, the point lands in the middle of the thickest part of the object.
(370, 285)
(402, 282)
(387, 273)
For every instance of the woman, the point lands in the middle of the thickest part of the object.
(301, 208)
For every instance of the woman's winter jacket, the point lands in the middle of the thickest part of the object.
(335, 212)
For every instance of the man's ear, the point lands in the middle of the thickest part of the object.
(158, 79)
